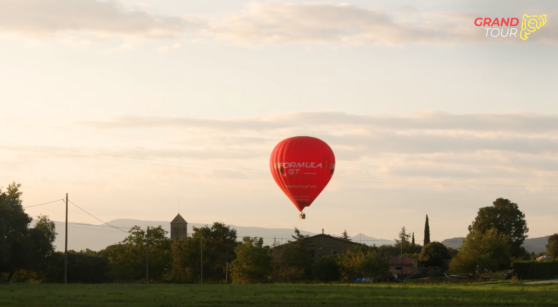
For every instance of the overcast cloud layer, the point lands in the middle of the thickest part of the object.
(257, 24)
(425, 153)
(191, 110)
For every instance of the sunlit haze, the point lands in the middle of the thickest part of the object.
(139, 110)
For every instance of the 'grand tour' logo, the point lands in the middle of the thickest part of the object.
(505, 27)
(530, 24)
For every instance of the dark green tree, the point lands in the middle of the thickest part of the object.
(426, 232)
(373, 264)
(552, 246)
(252, 263)
(128, 258)
(85, 266)
(293, 261)
(345, 235)
(42, 243)
(298, 236)
(350, 262)
(434, 254)
(489, 250)
(413, 241)
(404, 240)
(15, 242)
(326, 269)
(218, 243)
(508, 220)
(21, 247)
(361, 261)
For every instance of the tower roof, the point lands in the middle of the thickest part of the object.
(178, 219)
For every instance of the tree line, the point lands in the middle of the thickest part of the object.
(216, 254)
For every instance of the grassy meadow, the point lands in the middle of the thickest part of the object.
(292, 295)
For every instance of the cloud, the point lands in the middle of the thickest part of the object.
(437, 145)
(42, 19)
(433, 150)
(257, 24)
(262, 23)
(435, 121)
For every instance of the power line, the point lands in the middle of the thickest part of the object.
(50, 202)
(95, 217)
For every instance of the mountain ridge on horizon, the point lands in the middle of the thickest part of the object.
(97, 237)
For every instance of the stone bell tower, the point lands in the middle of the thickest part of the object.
(179, 228)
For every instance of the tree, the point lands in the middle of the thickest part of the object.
(361, 261)
(508, 220)
(426, 232)
(218, 243)
(15, 243)
(552, 246)
(482, 251)
(298, 236)
(413, 241)
(293, 261)
(434, 254)
(85, 266)
(349, 262)
(42, 242)
(345, 235)
(22, 247)
(128, 258)
(252, 263)
(403, 241)
(326, 269)
(373, 264)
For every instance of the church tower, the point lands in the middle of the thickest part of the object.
(179, 228)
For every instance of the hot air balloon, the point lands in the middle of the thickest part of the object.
(302, 167)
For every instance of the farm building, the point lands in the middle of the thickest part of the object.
(325, 245)
(402, 265)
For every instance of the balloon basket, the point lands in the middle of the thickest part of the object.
(302, 216)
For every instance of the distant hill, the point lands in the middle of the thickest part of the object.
(536, 245)
(454, 243)
(97, 237)
(362, 238)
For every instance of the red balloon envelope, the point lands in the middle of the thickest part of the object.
(302, 167)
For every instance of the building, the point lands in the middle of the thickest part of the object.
(402, 265)
(325, 245)
(179, 228)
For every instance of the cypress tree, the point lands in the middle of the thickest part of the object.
(426, 232)
(413, 241)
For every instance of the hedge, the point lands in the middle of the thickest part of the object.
(535, 269)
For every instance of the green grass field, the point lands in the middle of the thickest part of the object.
(503, 294)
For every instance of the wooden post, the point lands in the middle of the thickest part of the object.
(147, 256)
(66, 245)
(201, 258)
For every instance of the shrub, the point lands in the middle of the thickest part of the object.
(535, 269)
(326, 269)
(434, 254)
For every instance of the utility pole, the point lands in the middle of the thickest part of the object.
(401, 256)
(66, 245)
(227, 273)
(147, 256)
(201, 258)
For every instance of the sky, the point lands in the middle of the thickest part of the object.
(143, 109)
